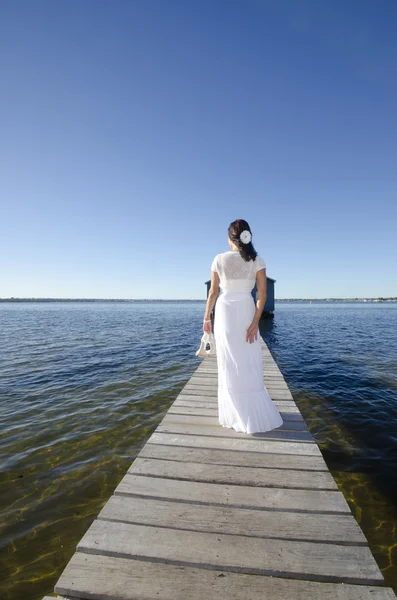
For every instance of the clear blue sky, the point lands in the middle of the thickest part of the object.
(134, 132)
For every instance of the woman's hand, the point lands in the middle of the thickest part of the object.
(207, 326)
(252, 332)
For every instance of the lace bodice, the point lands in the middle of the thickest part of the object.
(235, 273)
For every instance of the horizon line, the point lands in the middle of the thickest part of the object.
(60, 299)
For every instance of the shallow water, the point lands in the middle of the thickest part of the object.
(83, 385)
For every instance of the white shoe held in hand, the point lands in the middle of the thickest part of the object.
(208, 338)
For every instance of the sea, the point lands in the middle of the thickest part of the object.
(84, 384)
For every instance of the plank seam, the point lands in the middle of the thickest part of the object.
(231, 505)
(227, 450)
(234, 569)
(244, 535)
(237, 483)
(221, 437)
(264, 452)
(177, 414)
(288, 416)
(169, 416)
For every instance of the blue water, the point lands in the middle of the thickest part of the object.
(83, 385)
(343, 358)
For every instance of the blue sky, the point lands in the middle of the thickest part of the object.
(134, 132)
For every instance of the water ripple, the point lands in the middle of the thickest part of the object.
(82, 387)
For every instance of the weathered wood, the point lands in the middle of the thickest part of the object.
(212, 411)
(246, 443)
(204, 381)
(210, 473)
(213, 382)
(212, 377)
(199, 390)
(107, 577)
(269, 375)
(212, 421)
(192, 401)
(233, 495)
(275, 434)
(206, 385)
(267, 366)
(178, 405)
(187, 391)
(227, 457)
(205, 511)
(340, 529)
(213, 373)
(323, 562)
(271, 386)
(272, 371)
(213, 399)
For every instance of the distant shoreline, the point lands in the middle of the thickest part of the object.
(132, 300)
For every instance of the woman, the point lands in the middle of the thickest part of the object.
(244, 403)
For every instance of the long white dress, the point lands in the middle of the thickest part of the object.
(244, 403)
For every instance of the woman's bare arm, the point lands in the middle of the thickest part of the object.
(212, 296)
(261, 286)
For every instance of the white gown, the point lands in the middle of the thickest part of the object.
(244, 403)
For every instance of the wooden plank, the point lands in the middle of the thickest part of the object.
(198, 390)
(237, 458)
(324, 562)
(181, 409)
(304, 437)
(212, 421)
(212, 378)
(187, 391)
(248, 444)
(214, 399)
(207, 383)
(181, 403)
(208, 378)
(341, 529)
(99, 576)
(274, 395)
(213, 373)
(233, 495)
(193, 401)
(194, 382)
(268, 374)
(194, 398)
(213, 368)
(272, 369)
(209, 473)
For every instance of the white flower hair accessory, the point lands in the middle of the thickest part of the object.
(245, 236)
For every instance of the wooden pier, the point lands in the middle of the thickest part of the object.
(207, 513)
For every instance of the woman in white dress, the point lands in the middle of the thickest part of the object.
(244, 403)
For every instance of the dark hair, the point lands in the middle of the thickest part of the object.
(247, 251)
